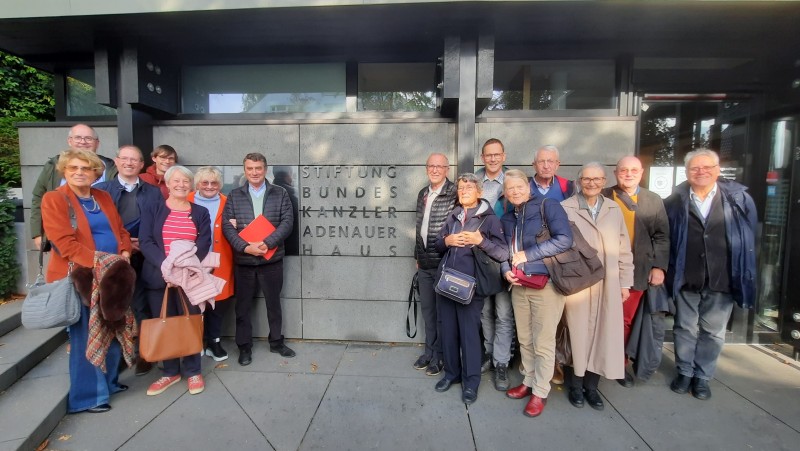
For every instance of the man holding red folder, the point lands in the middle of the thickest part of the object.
(257, 219)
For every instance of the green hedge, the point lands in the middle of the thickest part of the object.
(9, 268)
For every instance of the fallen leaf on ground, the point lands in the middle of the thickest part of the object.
(65, 437)
(314, 367)
(221, 365)
(43, 446)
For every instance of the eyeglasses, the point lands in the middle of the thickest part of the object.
(699, 169)
(73, 168)
(492, 156)
(633, 171)
(86, 139)
(165, 157)
(593, 180)
(547, 162)
(467, 188)
(129, 159)
(209, 183)
(436, 166)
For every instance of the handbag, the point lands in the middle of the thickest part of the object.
(488, 275)
(455, 284)
(535, 281)
(563, 344)
(166, 338)
(55, 304)
(413, 299)
(575, 269)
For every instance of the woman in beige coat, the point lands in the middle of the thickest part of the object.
(594, 315)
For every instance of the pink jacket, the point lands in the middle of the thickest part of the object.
(184, 269)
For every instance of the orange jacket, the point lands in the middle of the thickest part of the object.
(221, 246)
(76, 245)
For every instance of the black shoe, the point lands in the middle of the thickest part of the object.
(216, 351)
(486, 362)
(700, 389)
(469, 396)
(594, 400)
(99, 409)
(501, 377)
(245, 356)
(422, 362)
(121, 388)
(628, 381)
(434, 368)
(680, 384)
(576, 397)
(444, 384)
(283, 350)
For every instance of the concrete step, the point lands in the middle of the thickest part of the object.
(21, 349)
(10, 316)
(32, 407)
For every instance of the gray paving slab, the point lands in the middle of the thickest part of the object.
(280, 405)
(312, 357)
(388, 413)
(381, 360)
(12, 445)
(54, 364)
(212, 420)
(667, 421)
(755, 376)
(27, 409)
(10, 316)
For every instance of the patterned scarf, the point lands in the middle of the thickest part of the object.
(100, 336)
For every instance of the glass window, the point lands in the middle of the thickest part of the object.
(81, 99)
(553, 85)
(264, 88)
(396, 87)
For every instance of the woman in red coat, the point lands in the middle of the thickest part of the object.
(208, 181)
(98, 228)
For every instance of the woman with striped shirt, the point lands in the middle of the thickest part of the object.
(174, 219)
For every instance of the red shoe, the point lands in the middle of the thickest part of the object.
(519, 392)
(196, 384)
(535, 406)
(163, 383)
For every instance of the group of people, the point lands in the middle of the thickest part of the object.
(88, 207)
(696, 247)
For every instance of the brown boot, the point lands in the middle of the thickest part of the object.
(558, 375)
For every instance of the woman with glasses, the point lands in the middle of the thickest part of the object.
(594, 315)
(207, 183)
(470, 224)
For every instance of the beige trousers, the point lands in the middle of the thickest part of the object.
(537, 313)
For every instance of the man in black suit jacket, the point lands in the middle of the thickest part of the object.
(130, 196)
(256, 198)
(648, 228)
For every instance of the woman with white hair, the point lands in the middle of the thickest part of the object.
(594, 315)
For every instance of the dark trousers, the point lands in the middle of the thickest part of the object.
(427, 302)
(213, 317)
(190, 363)
(459, 327)
(269, 278)
(588, 381)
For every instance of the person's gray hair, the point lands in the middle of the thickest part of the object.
(514, 174)
(207, 172)
(702, 152)
(182, 169)
(547, 148)
(589, 165)
(469, 177)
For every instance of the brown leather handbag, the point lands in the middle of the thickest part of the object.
(166, 338)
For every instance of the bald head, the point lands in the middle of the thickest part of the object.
(81, 136)
(629, 173)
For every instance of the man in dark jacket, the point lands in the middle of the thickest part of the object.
(648, 228)
(434, 204)
(80, 136)
(131, 197)
(246, 203)
(712, 264)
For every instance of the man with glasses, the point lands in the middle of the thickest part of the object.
(497, 316)
(545, 182)
(130, 196)
(80, 136)
(434, 204)
(712, 264)
(648, 228)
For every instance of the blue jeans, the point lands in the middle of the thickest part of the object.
(701, 320)
(497, 320)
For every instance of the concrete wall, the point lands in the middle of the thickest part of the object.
(346, 285)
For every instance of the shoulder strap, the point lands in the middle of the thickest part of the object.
(625, 198)
(413, 298)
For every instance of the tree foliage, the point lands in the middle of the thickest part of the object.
(9, 269)
(26, 94)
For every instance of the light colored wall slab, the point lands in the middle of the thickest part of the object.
(356, 320)
(388, 236)
(367, 278)
(291, 308)
(228, 144)
(38, 144)
(578, 141)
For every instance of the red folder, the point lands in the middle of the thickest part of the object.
(257, 230)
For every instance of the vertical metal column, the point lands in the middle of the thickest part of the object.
(465, 135)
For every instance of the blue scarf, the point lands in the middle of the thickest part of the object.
(212, 205)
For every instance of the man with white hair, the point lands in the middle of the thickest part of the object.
(712, 264)
(545, 182)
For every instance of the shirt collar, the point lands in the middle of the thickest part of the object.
(128, 186)
(500, 177)
(710, 195)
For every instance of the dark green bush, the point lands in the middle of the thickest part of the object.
(9, 268)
